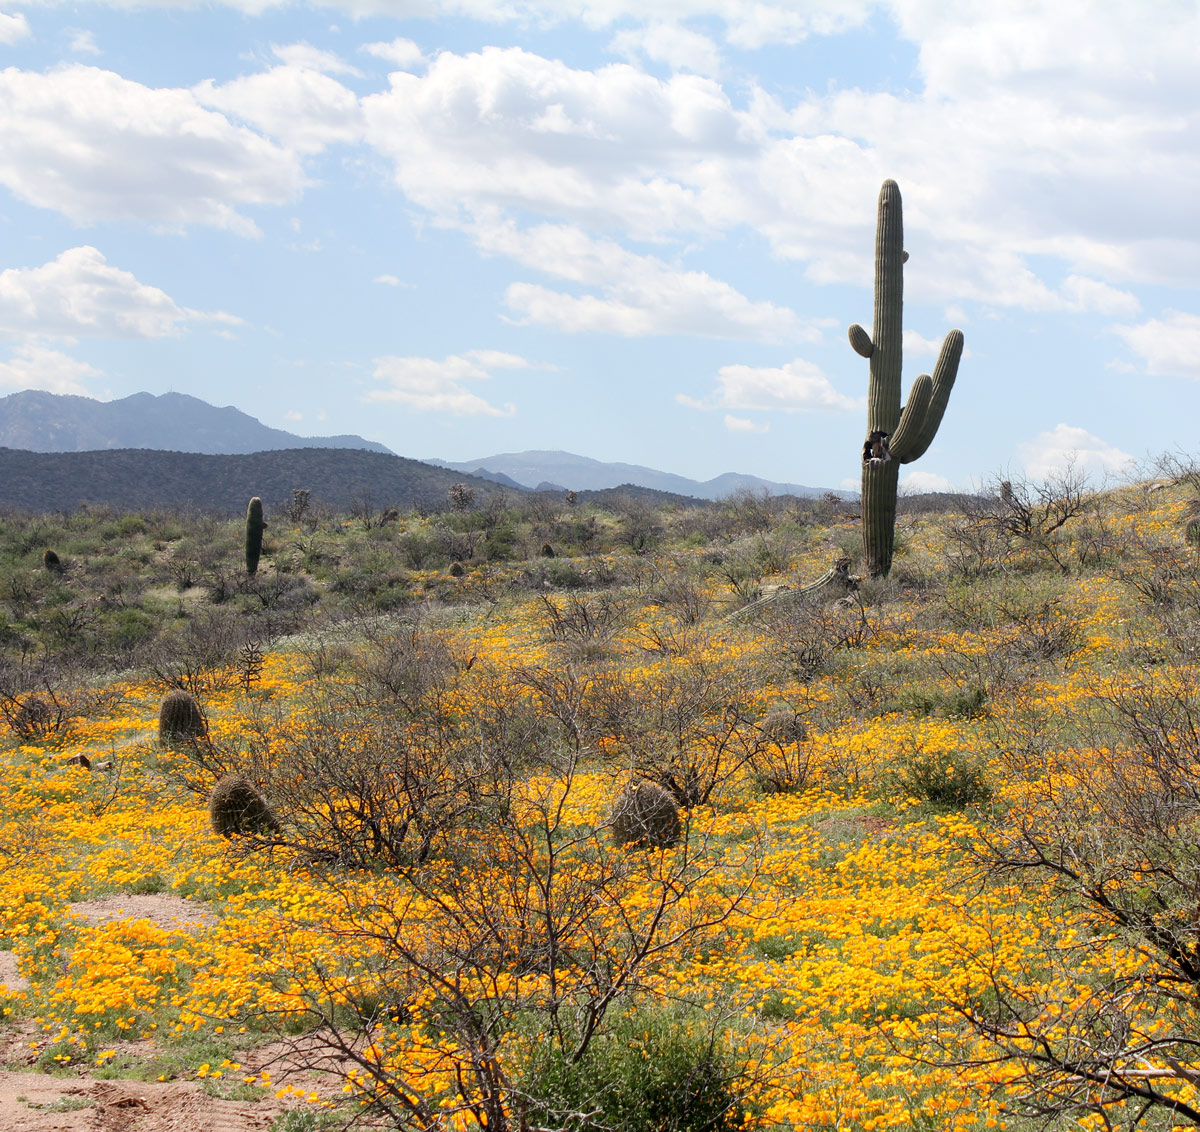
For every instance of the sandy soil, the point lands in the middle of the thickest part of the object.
(34, 1102)
(8, 972)
(164, 910)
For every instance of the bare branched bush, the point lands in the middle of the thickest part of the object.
(203, 656)
(782, 762)
(1107, 830)
(808, 632)
(587, 624)
(462, 975)
(40, 696)
(401, 663)
(1017, 523)
(690, 725)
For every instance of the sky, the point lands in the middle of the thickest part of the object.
(636, 231)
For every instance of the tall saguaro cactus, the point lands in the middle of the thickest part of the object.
(895, 436)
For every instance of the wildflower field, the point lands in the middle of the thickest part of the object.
(926, 853)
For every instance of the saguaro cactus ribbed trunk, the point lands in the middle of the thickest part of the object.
(255, 525)
(895, 436)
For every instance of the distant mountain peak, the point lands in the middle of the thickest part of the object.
(36, 421)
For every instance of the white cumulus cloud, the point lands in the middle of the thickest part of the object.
(83, 42)
(79, 292)
(297, 102)
(13, 27)
(678, 47)
(798, 386)
(915, 482)
(638, 294)
(480, 135)
(404, 53)
(1068, 446)
(1168, 346)
(433, 386)
(95, 146)
(34, 366)
(744, 424)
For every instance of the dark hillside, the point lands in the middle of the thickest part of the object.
(135, 478)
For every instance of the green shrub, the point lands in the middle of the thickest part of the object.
(649, 1075)
(945, 778)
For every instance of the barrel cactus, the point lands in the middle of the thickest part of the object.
(646, 815)
(237, 808)
(895, 435)
(179, 717)
(255, 525)
(51, 561)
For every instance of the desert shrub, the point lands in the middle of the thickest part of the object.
(40, 695)
(360, 787)
(237, 808)
(585, 624)
(944, 778)
(651, 1074)
(402, 664)
(577, 533)
(179, 717)
(687, 723)
(782, 762)
(564, 574)
(201, 655)
(500, 543)
(645, 815)
(968, 702)
(32, 717)
(807, 632)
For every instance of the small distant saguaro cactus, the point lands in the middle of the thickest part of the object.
(895, 436)
(255, 525)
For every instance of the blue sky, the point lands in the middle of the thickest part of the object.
(637, 232)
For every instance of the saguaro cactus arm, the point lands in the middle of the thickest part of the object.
(944, 374)
(912, 420)
(861, 341)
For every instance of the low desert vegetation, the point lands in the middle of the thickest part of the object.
(540, 813)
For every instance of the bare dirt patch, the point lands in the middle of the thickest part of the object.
(9, 975)
(162, 909)
(33, 1102)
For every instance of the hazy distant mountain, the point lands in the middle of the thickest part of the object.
(558, 470)
(172, 422)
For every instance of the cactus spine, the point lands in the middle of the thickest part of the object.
(895, 435)
(255, 525)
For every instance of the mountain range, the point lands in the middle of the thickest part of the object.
(172, 422)
(557, 471)
(38, 422)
